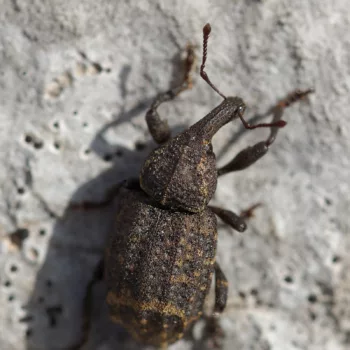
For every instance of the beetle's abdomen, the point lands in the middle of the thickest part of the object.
(158, 268)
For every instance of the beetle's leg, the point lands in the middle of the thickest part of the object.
(221, 289)
(249, 212)
(110, 195)
(230, 218)
(251, 154)
(87, 306)
(213, 334)
(159, 128)
(237, 222)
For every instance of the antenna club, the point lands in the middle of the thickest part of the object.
(206, 29)
(280, 124)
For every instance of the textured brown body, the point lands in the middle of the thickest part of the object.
(159, 267)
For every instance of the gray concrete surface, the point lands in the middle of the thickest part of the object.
(75, 81)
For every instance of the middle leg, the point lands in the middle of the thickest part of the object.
(237, 222)
(230, 218)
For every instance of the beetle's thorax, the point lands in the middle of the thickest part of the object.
(182, 174)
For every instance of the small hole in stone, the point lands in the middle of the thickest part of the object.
(29, 332)
(97, 67)
(11, 297)
(107, 157)
(20, 190)
(53, 322)
(87, 151)
(52, 313)
(336, 259)
(7, 283)
(328, 201)
(19, 236)
(140, 146)
(57, 145)
(41, 300)
(38, 144)
(119, 153)
(42, 232)
(85, 124)
(28, 138)
(288, 279)
(312, 316)
(56, 125)
(254, 292)
(242, 295)
(108, 70)
(75, 112)
(13, 268)
(58, 309)
(312, 298)
(49, 283)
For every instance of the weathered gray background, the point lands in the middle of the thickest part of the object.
(289, 273)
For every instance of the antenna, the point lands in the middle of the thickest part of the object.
(204, 75)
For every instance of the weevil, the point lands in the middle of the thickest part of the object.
(160, 257)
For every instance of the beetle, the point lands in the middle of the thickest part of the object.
(160, 257)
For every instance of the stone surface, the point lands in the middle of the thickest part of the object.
(75, 82)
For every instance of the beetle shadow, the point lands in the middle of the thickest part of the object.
(53, 314)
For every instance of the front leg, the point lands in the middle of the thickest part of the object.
(159, 128)
(251, 154)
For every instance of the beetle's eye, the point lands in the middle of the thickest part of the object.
(240, 109)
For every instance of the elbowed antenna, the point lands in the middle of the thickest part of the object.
(204, 75)
(238, 112)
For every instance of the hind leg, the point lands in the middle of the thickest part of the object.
(213, 334)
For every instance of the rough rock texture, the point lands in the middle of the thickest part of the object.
(76, 78)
